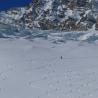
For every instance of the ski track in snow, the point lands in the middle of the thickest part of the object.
(41, 69)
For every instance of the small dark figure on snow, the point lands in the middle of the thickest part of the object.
(61, 57)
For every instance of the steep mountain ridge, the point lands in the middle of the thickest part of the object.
(70, 15)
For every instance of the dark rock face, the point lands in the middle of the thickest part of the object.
(53, 14)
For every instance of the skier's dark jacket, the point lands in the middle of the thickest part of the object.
(7, 4)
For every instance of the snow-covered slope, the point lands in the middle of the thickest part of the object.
(41, 69)
(8, 31)
(57, 62)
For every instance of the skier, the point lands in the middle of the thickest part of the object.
(7, 4)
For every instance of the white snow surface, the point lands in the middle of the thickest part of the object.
(41, 69)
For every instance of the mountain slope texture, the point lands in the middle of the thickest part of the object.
(67, 15)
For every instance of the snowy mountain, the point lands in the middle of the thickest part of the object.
(49, 50)
(54, 14)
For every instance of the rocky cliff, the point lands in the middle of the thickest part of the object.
(70, 15)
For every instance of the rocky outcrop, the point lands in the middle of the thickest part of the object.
(53, 14)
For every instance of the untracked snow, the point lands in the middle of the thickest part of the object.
(41, 69)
